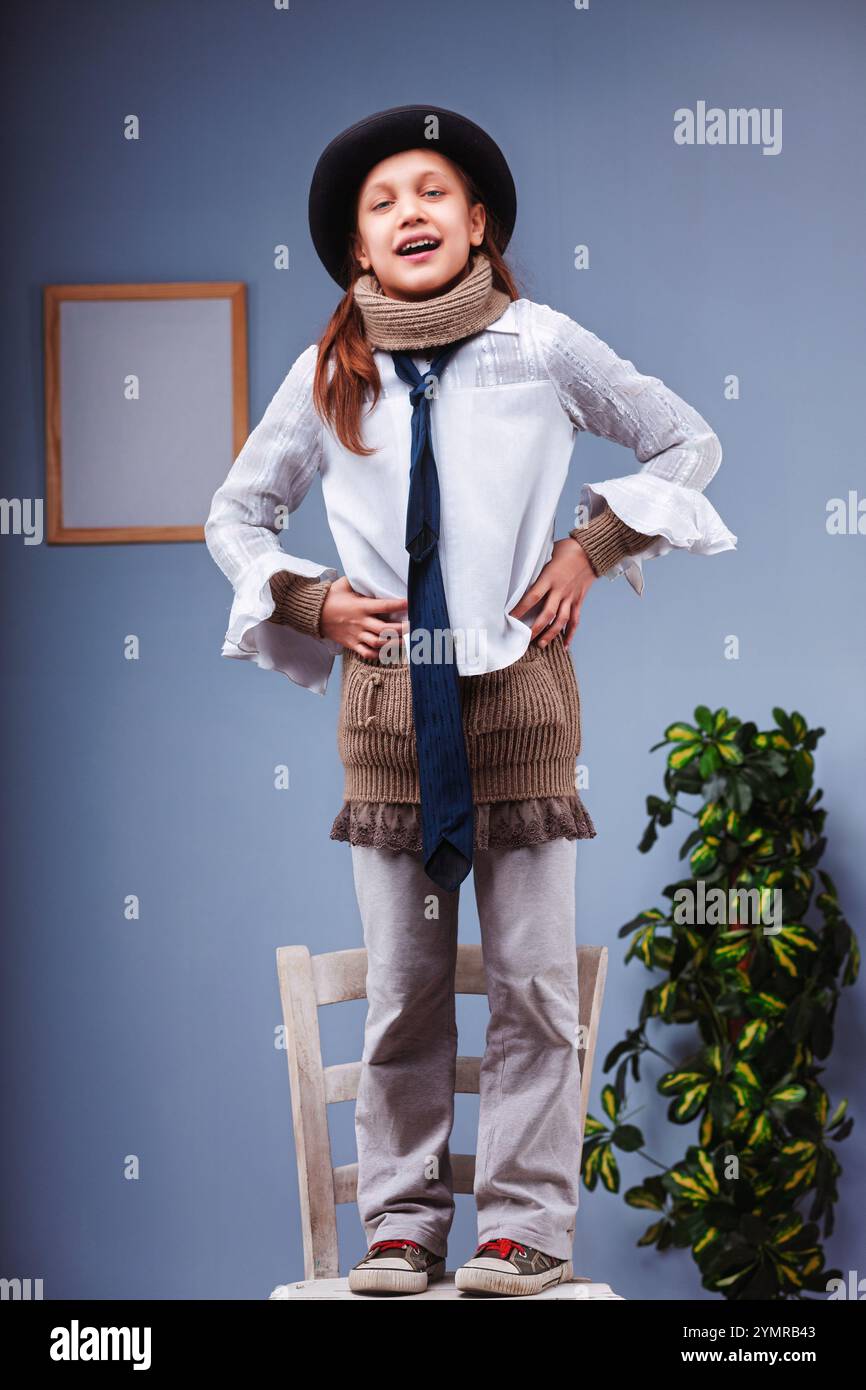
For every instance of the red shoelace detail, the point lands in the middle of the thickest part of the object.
(503, 1247)
(394, 1244)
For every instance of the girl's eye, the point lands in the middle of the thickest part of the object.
(439, 191)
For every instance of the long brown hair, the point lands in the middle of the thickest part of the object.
(340, 401)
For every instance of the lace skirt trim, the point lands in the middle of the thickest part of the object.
(498, 824)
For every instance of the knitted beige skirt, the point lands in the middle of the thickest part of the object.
(548, 701)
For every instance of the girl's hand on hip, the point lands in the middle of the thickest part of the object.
(357, 621)
(563, 584)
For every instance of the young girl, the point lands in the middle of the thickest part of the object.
(440, 409)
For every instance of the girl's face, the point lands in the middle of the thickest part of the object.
(416, 195)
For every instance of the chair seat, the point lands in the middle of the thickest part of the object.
(444, 1288)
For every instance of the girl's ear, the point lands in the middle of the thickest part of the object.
(478, 223)
(357, 252)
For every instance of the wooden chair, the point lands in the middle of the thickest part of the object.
(306, 983)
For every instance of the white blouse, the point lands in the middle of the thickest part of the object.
(509, 404)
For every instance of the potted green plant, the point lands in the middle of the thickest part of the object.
(756, 988)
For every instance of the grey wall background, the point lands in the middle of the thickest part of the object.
(154, 777)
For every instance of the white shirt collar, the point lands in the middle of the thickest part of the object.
(506, 323)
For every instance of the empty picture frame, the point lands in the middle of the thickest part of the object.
(146, 407)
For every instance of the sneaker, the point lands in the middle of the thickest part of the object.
(396, 1266)
(507, 1267)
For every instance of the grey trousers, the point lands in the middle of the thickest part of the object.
(526, 1175)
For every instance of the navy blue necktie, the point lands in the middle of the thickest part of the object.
(447, 813)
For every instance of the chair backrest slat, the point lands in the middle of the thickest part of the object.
(340, 976)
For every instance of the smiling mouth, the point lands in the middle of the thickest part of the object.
(422, 246)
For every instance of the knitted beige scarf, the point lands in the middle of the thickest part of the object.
(398, 325)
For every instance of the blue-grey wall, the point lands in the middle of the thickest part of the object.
(155, 1038)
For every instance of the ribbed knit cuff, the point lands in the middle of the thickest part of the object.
(607, 539)
(298, 601)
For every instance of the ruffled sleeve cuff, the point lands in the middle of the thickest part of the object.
(673, 517)
(306, 658)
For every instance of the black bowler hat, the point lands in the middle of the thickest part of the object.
(346, 161)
